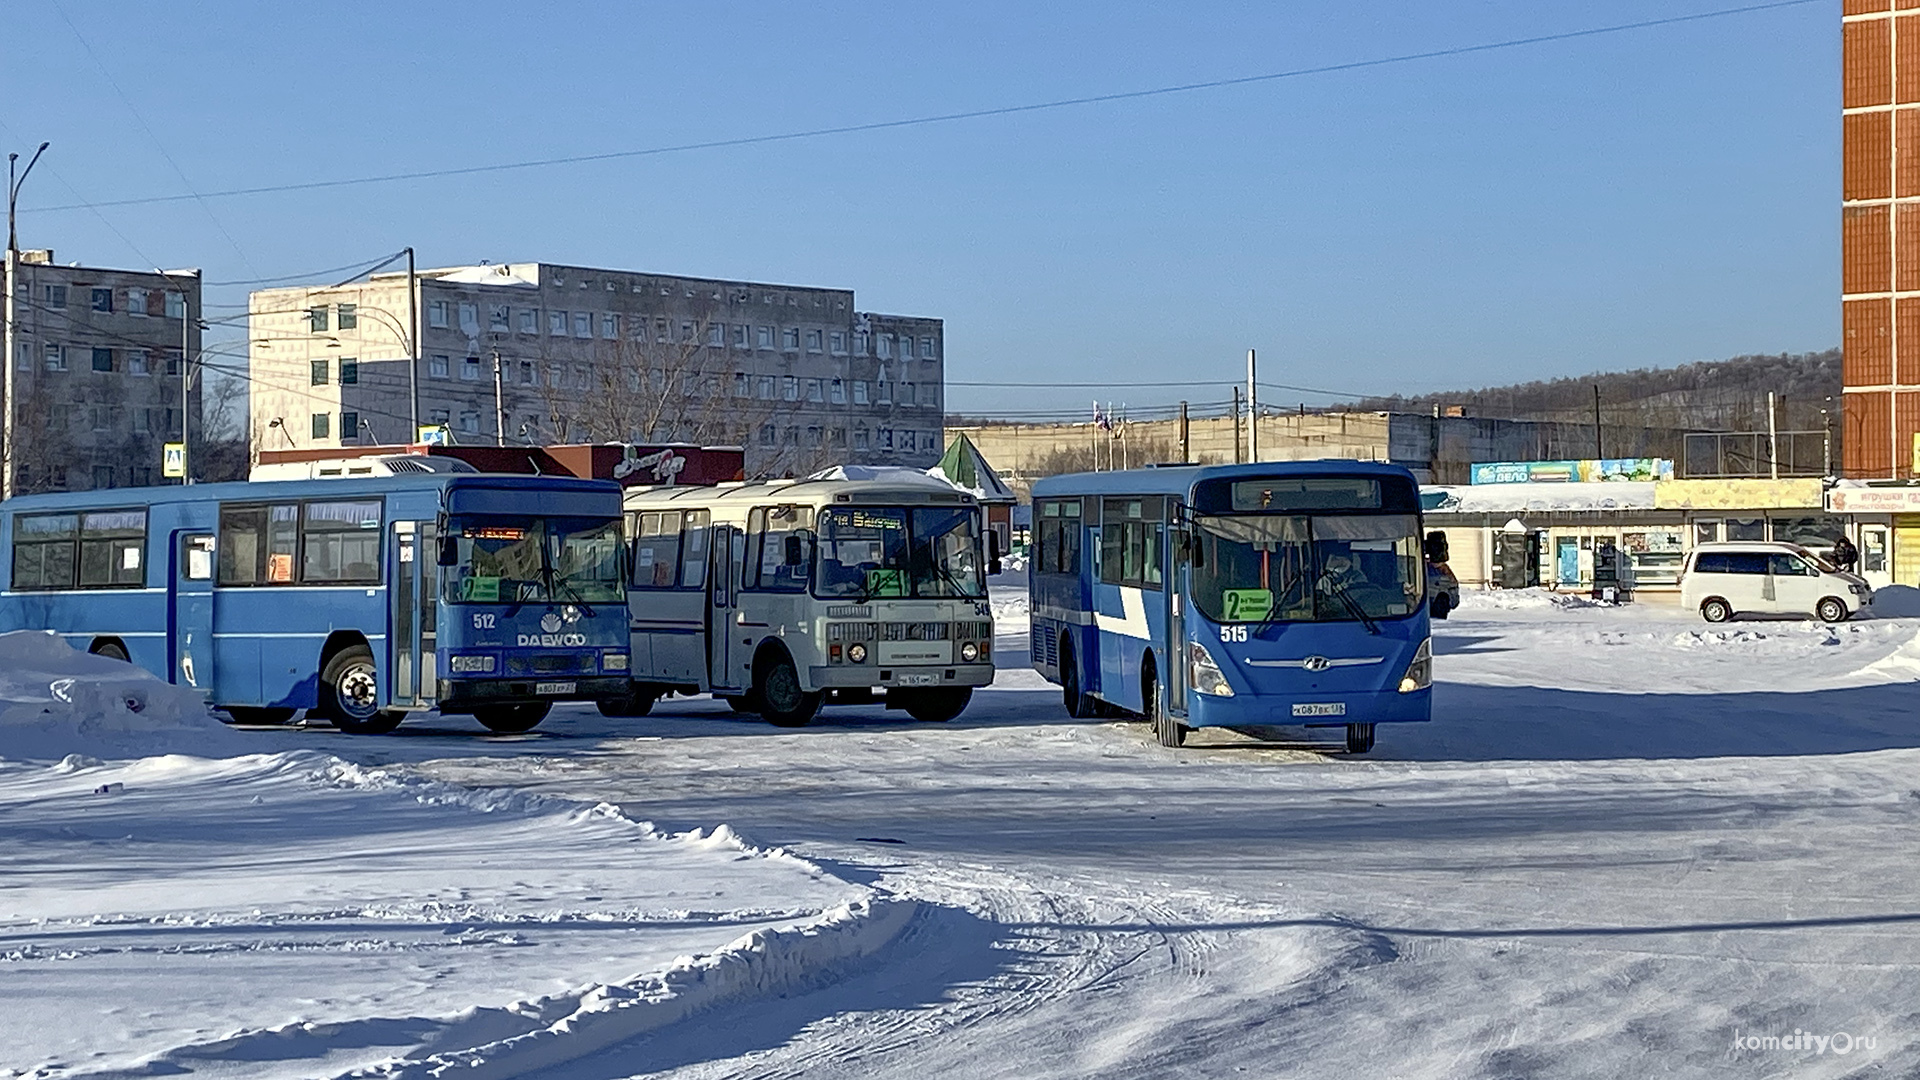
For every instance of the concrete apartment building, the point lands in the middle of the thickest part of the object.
(797, 375)
(97, 373)
(1880, 237)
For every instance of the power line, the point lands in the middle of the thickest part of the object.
(328, 272)
(944, 118)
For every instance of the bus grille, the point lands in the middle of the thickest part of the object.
(550, 664)
(914, 631)
(973, 631)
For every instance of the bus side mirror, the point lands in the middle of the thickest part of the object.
(993, 552)
(449, 551)
(1437, 546)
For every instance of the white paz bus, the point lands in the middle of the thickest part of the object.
(779, 597)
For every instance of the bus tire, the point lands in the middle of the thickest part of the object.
(350, 694)
(112, 650)
(1078, 705)
(262, 717)
(936, 706)
(739, 703)
(512, 719)
(638, 702)
(1167, 731)
(776, 687)
(1359, 738)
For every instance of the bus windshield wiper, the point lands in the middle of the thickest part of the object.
(561, 582)
(1353, 606)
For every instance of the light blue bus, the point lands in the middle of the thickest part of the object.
(358, 599)
(1236, 596)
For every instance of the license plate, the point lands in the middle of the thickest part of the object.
(554, 687)
(1321, 708)
(918, 680)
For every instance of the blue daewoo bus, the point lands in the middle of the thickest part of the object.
(1237, 596)
(359, 599)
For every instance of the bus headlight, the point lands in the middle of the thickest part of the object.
(613, 661)
(1419, 674)
(857, 653)
(1203, 674)
(472, 665)
(969, 653)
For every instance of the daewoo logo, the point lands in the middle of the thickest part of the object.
(1316, 663)
(550, 622)
(552, 641)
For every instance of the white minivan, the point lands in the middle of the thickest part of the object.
(1734, 578)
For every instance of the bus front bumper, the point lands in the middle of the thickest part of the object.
(465, 695)
(1316, 710)
(866, 676)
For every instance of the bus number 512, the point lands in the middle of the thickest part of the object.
(483, 621)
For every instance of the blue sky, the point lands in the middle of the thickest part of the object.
(1636, 199)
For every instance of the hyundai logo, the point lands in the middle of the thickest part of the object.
(1316, 663)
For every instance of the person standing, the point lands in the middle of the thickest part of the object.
(1845, 554)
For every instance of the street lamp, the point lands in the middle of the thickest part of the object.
(7, 385)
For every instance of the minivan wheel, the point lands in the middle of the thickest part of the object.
(1832, 609)
(1716, 610)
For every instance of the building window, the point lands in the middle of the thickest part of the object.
(716, 334)
(470, 370)
(763, 337)
(439, 366)
(686, 334)
(790, 338)
(582, 324)
(102, 476)
(102, 299)
(768, 436)
(765, 392)
(837, 341)
(793, 436)
(176, 305)
(662, 330)
(860, 392)
(837, 438)
(906, 441)
(789, 388)
(175, 360)
(813, 341)
(529, 321)
(527, 376)
(885, 346)
(553, 376)
(103, 360)
(142, 421)
(814, 440)
(349, 425)
(101, 417)
(317, 320)
(349, 372)
(813, 390)
(137, 363)
(926, 348)
(556, 324)
(860, 438)
(610, 327)
(906, 347)
(886, 393)
(439, 416)
(56, 296)
(470, 423)
(438, 316)
(741, 387)
(886, 438)
(741, 336)
(859, 343)
(317, 373)
(137, 302)
(470, 318)
(499, 317)
(637, 329)
(349, 317)
(838, 392)
(322, 425)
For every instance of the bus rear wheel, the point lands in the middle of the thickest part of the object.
(350, 694)
(638, 702)
(739, 703)
(782, 702)
(112, 650)
(512, 719)
(936, 706)
(1359, 738)
(1078, 705)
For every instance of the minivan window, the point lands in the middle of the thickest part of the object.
(1790, 566)
(1731, 562)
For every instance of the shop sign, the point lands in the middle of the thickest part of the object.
(1873, 500)
(1584, 471)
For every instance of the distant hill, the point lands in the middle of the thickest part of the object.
(1711, 395)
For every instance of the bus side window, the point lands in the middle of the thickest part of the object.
(693, 547)
(112, 545)
(43, 550)
(656, 550)
(242, 532)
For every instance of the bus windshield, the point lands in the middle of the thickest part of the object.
(526, 560)
(925, 552)
(1307, 568)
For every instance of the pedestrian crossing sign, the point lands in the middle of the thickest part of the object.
(173, 460)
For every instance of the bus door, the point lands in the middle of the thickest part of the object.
(411, 623)
(1175, 579)
(190, 630)
(723, 599)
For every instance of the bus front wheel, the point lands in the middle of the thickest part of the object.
(1079, 706)
(782, 701)
(512, 719)
(350, 694)
(638, 702)
(1167, 731)
(936, 706)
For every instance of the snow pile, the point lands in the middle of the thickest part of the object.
(56, 701)
(1896, 602)
(1534, 599)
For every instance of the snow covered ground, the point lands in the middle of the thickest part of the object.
(1627, 840)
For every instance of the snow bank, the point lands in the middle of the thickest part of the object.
(1523, 600)
(1896, 602)
(57, 701)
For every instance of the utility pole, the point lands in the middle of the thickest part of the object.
(11, 381)
(187, 320)
(1773, 446)
(1599, 444)
(413, 347)
(1185, 456)
(499, 404)
(1237, 446)
(1253, 413)
(1826, 439)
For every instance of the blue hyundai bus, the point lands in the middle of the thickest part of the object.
(358, 599)
(1236, 596)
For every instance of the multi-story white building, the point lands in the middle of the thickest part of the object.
(795, 374)
(97, 373)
